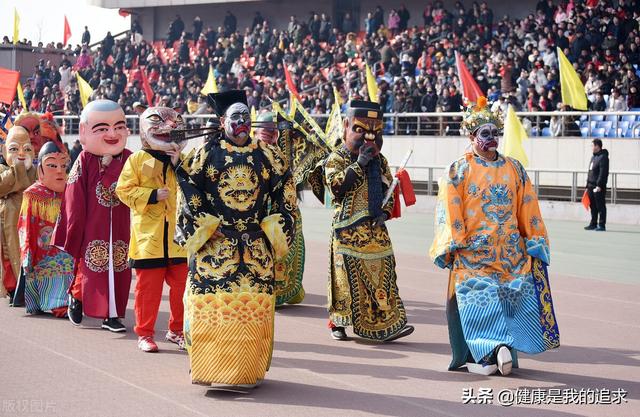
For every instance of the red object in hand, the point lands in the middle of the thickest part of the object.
(408, 194)
(397, 208)
(586, 201)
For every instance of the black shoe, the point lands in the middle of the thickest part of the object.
(74, 311)
(601, 229)
(11, 295)
(339, 333)
(113, 324)
(590, 227)
(406, 331)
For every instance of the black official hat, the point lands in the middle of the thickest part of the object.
(222, 101)
(47, 148)
(361, 108)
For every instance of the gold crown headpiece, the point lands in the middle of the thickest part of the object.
(477, 114)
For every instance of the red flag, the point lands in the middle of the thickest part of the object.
(148, 92)
(586, 201)
(8, 85)
(470, 89)
(290, 85)
(67, 31)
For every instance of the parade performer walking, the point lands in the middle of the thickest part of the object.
(235, 218)
(490, 234)
(94, 224)
(277, 130)
(362, 288)
(148, 186)
(48, 271)
(16, 175)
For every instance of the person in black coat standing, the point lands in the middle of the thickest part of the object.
(597, 186)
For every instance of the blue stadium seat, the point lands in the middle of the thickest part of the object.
(606, 125)
(612, 117)
(534, 131)
(584, 118)
(593, 124)
(628, 117)
(584, 131)
(598, 132)
(546, 131)
(597, 117)
(613, 133)
(623, 126)
(630, 132)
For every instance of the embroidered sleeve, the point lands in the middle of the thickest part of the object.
(342, 177)
(196, 222)
(530, 223)
(449, 227)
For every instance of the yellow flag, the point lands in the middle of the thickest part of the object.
(335, 128)
(514, 134)
(21, 97)
(571, 86)
(336, 97)
(85, 90)
(210, 86)
(254, 117)
(372, 85)
(16, 26)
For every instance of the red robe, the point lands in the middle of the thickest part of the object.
(91, 217)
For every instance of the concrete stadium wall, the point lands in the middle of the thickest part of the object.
(155, 20)
(551, 210)
(24, 59)
(543, 153)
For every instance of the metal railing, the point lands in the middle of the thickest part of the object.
(425, 180)
(552, 124)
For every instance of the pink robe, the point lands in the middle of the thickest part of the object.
(94, 228)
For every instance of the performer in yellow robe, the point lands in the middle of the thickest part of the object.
(362, 286)
(489, 232)
(235, 218)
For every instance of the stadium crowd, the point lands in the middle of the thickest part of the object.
(513, 60)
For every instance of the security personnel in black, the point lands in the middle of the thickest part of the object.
(597, 186)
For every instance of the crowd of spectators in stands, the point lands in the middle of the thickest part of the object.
(513, 60)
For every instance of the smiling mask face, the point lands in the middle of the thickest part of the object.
(103, 129)
(18, 147)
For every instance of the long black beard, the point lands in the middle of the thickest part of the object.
(374, 181)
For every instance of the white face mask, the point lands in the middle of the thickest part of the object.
(237, 121)
(486, 137)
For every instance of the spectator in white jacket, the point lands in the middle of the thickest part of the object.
(616, 101)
